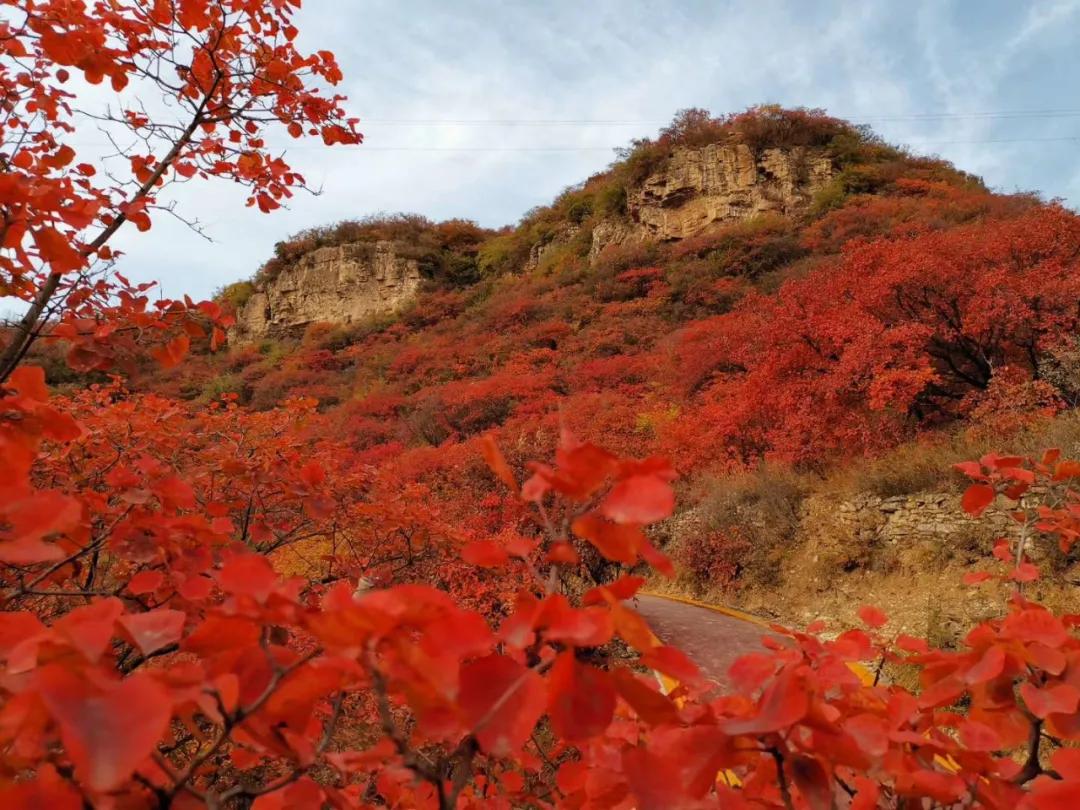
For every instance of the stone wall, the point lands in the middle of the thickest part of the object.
(339, 284)
(873, 520)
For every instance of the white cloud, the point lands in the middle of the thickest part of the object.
(625, 61)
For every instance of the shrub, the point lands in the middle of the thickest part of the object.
(215, 387)
(745, 525)
(446, 251)
(236, 294)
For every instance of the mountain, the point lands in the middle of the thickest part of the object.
(809, 322)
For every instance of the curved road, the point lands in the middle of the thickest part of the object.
(712, 638)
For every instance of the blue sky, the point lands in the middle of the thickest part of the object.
(465, 105)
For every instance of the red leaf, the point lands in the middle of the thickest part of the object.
(145, 582)
(867, 796)
(32, 520)
(90, 628)
(57, 250)
(972, 469)
(618, 542)
(581, 699)
(485, 553)
(674, 663)
(174, 492)
(647, 702)
(39, 794)
(497, 464)
(312, 474)
(220, 633)
(784, 703)
(872, 617)
(173, 352)
(1035, 624)
(1025, 572)
(623, 588)
(501, 701)
(586, 627)
(29, 381)
(977, 498)
(1052, 794)
(633, 629)
(979, 737)
(1067, 469)
(657, 559)
(639, 499)
(108, 729)
(1066, 761)
(155, 629)
(248, 575)
(1059, 698)
(988, 667)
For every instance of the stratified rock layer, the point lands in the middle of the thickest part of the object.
(695, 189)
(714, 185)
(339, 284)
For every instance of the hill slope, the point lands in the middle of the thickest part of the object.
(775, 286)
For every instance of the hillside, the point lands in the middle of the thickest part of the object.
(427, 516)
(773, 300)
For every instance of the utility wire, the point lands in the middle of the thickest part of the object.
(366, 148)
(928, 116)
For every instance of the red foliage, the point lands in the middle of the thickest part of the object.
(900, 333)
(229, 70)
(214, 606)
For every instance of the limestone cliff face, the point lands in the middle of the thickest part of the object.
(723, 183)
(716, 184)
(338, 284)
(694, 189)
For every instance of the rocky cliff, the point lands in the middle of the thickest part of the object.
(693, 189)
(718, 184)
(338, 284)
(725, 183)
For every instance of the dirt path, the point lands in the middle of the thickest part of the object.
(711, 638)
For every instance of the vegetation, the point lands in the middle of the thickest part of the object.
(370, 605)
(446, 251)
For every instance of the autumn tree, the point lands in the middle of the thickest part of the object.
(898, 334)
(198, 87)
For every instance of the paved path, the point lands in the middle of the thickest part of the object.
(712, 639)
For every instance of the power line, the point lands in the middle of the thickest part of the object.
(613, 148)
(926, 116)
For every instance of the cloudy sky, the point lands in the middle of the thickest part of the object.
(484, 109)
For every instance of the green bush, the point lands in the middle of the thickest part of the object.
(236, 294)
(221, 384)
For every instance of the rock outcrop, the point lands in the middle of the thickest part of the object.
(724, 183)
(716, 184)
(338, 284)
(694, 189)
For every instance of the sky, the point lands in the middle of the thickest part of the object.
(483, 110)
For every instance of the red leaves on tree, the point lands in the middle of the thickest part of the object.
(976, 498)
(872, 617)
(784, 703)
(639, 499)
(618, 542)
(172, 352)
(581, 699)
(501, 701)
(495, 461)
(109, 728)
(57, 250)
(485, 553)
(647, 701)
